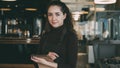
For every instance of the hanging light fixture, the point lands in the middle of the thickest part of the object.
(104, 1)
(5, 9)
(31, 9)
(8, 0)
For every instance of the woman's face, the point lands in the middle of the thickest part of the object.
(56, 16)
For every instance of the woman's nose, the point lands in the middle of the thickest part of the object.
(54, 17)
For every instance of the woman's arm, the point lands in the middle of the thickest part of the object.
(42, 60)
(52, 64)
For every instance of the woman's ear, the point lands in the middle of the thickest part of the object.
(64, 16)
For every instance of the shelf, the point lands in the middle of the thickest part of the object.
(81, 3)
(102, 42)
(109, 11)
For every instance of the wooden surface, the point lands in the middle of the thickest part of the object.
(19, 41)
(17, 66)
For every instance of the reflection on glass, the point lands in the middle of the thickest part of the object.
(37, 27)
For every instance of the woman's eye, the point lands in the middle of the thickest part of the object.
(49, 14)
(57, 14)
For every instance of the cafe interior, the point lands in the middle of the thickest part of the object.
(97, 21)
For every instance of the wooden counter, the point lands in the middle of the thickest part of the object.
(6, 40)
(17, 66)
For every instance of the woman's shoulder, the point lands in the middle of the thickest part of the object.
(71, 34)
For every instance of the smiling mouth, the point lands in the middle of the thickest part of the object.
(54, 22)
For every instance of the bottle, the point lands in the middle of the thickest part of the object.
(28, 33)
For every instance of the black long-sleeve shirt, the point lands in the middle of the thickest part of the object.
(67, 48)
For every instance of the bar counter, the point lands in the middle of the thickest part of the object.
(14, 50)
(17, 66)
(11, 40)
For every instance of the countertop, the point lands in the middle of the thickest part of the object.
(11, 40)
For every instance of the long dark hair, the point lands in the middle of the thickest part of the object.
(68, 22)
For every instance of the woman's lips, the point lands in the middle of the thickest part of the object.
(54, 22)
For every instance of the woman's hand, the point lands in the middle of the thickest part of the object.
(39, 60)
(53, 55)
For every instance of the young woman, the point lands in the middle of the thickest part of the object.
(59, 42)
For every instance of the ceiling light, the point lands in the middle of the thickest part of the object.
(104, 1)
(8, 0)
(5, 9)
(31, 9)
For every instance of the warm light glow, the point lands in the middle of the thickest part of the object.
(80, 12)
(76, 15)
(8, 0)
(104, 1)
(31, 9)
(5, 9)
(97, 9)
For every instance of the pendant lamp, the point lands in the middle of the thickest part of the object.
(104, 1)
